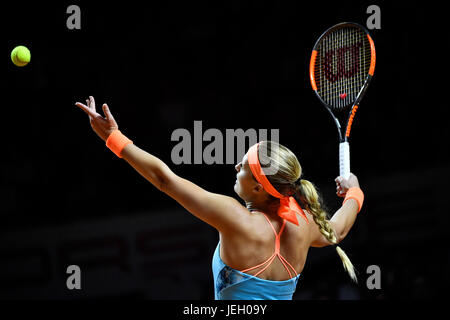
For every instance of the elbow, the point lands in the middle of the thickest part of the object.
(341, 235)
(340, 230)
(339, 238)
(163, 182)
(161, 179)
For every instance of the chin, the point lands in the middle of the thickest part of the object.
(236, 189)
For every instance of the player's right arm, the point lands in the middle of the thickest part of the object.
(344, 218)
(224, 213)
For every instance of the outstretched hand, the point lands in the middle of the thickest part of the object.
(342, 184)
(103, 127)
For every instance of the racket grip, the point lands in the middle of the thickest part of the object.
(344, 160)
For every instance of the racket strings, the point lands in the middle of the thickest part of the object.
(342, 66)
(347, 94)
(353, 83)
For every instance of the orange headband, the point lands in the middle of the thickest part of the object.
(288, 205)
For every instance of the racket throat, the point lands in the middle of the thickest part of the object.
(338, 125)
(344, 159)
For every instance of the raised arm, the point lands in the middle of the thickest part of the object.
(224, 213)
(344, 218)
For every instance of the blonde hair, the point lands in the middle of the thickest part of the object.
(286, 179)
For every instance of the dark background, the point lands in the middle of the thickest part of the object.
(232, 64)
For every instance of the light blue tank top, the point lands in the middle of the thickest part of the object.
(231, 284)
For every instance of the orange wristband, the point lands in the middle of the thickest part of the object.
(357, 194)
(116, 142)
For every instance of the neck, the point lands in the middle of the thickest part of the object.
(269, 209)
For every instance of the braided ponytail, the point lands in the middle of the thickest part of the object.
(309, 197)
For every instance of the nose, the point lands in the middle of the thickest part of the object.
(238, 166)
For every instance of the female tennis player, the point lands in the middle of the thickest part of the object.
(263, 245)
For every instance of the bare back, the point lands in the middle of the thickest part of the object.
(243, 250)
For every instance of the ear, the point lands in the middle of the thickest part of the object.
(258, 187)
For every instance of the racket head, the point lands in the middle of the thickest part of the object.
(342, 64)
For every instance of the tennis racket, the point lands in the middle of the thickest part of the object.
(341, 67)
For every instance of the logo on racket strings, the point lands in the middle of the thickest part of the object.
(342, 63)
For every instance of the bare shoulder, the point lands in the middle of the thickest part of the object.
(236, 218)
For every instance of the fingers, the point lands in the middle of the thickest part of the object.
(89, 107)
(340, 192)
(85, 109)
(107, 113)
(96, 120)
(88, 103)
(339, 187)
(92, 103)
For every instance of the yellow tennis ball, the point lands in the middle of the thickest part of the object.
(20, 56)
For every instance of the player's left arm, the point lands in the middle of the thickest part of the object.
(224, 213)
